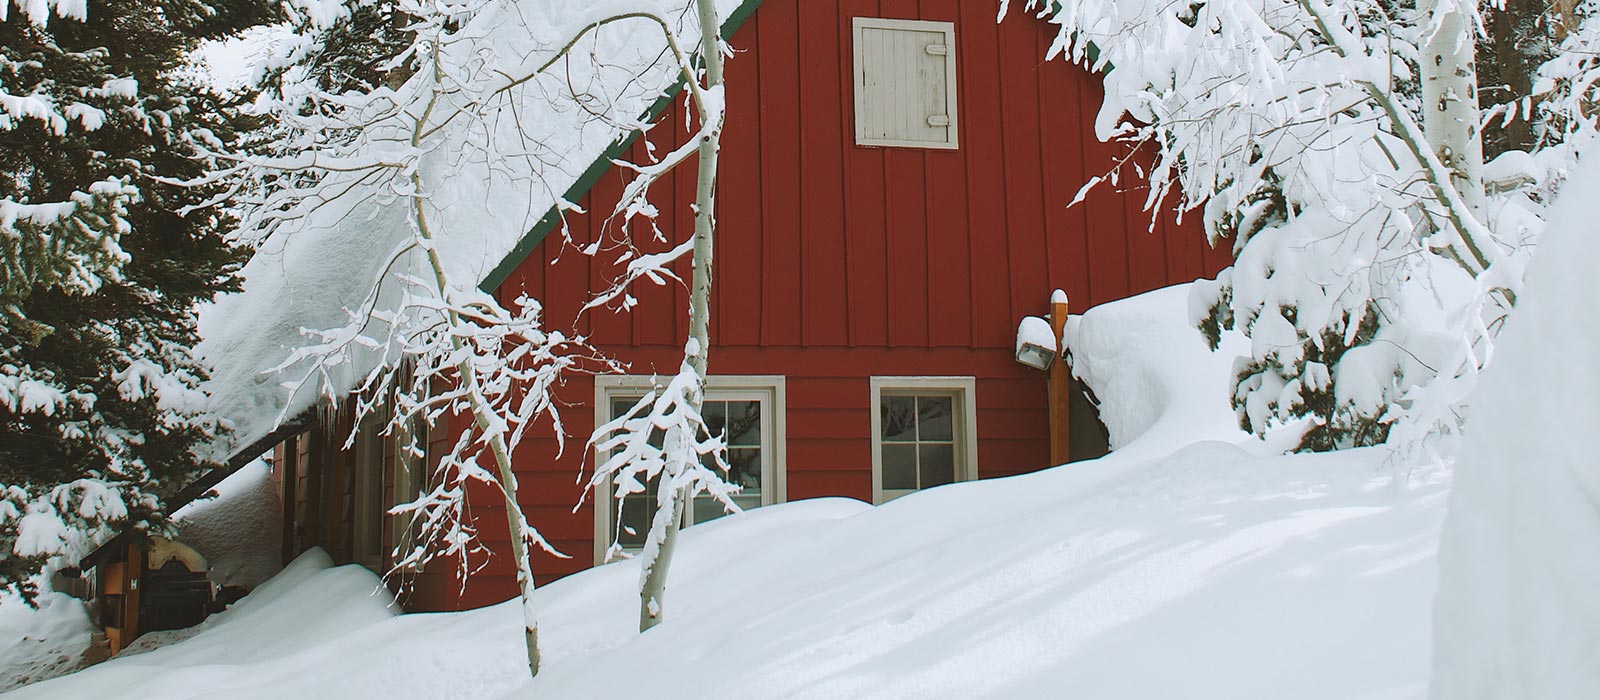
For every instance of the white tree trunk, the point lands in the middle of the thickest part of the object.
(486, 420)
(1450, 99)
(652, 594)
(1475, 252)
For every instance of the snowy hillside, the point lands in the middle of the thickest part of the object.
(1205, 573)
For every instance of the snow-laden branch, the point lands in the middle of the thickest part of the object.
(482, 121)
(1361, 266)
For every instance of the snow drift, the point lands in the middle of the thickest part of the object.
(1518, 615)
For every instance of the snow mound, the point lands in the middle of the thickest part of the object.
(1160, 387)
(42, 643)
(297, 623)
(1162, 570)
(1517, 614)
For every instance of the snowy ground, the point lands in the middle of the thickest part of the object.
(1210, 574)
(1206, 571)
(41, 643)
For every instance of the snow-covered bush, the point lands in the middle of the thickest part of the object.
(1371, 271)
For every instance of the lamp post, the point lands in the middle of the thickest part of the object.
(1040, 346)
(1060, 385)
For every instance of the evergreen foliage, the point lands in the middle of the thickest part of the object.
(101, 413)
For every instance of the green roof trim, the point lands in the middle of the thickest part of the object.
(597, 169)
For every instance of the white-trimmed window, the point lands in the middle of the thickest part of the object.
(749, 408)
(905, 83)
(924, 434)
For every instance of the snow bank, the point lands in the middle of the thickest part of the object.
(1160, 571)
(303, 623)
(42, 643)
(1160, 387)
(1518, 614)
(1208, 575)
(237, 531)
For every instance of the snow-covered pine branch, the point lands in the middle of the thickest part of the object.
(102, 415)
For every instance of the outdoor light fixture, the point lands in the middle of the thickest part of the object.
(1036, 343)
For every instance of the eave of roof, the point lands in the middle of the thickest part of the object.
(206, 482)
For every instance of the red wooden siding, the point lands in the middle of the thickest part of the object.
(837, 262)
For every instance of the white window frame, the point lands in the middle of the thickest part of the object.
(859, 25)
(964, 389)
(768, 388)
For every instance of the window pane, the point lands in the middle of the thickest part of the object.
(707, 508)
(636, 513)
(744, 423)
(714, 413)
(938, 464)
(620, 408)
(899, 418)
(744, 468)
(899, 466)
(934, 418)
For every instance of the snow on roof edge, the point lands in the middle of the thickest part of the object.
(287, 283)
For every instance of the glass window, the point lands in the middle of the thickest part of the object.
(917, 441)
(923, 434)
(745, 418)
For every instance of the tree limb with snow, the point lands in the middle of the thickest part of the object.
(475, 102)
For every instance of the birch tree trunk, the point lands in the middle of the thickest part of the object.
(1450, 99)
(652, 594)
(483, 415)
(487, 421)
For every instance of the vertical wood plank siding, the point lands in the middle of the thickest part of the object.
(837, 262)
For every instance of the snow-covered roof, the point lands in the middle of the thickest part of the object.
(311, 274)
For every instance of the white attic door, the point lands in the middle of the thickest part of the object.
(905, 75)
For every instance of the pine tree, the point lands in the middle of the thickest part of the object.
(101, 414)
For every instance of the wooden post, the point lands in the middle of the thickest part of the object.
(1060, 386)
(288, 465)
(315, 464)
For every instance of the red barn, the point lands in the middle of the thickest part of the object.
(894, 190)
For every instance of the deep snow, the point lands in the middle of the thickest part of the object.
(236, 527)
(44, 642)
(1156, 572)
(1210, 574)
(1519, 607)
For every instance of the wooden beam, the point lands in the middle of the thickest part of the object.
(1060, 387)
